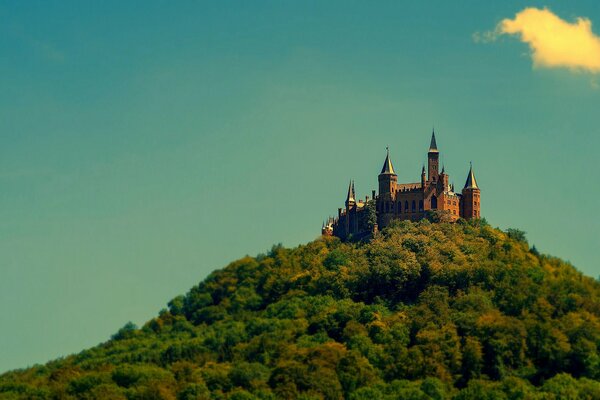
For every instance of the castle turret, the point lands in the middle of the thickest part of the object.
(387, 178)
(327, 229)
(388, 182)
(351, 197)
(423, 177)
(471, 197)
(433, 156)
(350, 217)
(444, 179)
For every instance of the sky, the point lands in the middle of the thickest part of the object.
(145, 144)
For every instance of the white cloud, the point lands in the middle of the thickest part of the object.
(554, 42)
(485, 37)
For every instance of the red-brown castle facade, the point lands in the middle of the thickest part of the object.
(405, 201)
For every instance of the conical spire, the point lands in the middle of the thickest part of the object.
(433, 145)
(471, 183)
(350, 198)
(388, 168)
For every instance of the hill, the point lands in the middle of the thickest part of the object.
(424, 311)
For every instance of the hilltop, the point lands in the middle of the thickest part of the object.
(423, 311)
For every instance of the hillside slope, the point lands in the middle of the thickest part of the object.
(425, 311)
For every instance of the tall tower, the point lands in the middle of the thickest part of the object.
(387, 178)
(351, 196)
(388, 181)
(433, 159)
(471, 197)
(351, 222)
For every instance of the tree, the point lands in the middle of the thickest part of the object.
(127, 331)
(438, 216)
(422, 311)
(517, 235)
(368, 218)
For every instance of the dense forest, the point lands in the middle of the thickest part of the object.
(423, 311)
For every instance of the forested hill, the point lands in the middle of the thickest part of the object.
(424, 311)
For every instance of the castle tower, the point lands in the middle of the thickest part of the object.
(471, 197)
(388, 181)
(433, 159)
(350, 221)
(351, 197)
(387, 178)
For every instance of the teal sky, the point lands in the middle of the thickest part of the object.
(144, 145)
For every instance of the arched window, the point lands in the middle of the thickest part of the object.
(414, 206)
(406, 206)
(399, 207)
(420, 205)
(433, 202)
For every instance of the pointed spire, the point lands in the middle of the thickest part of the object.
(471, 183)
(350, 198)
(443, 168)
(388, 168)
(423, 170)
(433, 145)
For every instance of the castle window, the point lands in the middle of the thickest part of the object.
(434, 202)
(406, 206)
(414, 206)
(420, 205)
(399, 207)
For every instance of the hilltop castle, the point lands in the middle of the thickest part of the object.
(405, 201)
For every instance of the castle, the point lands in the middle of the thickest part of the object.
(405, 201)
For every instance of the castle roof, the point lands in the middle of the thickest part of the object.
(351, 197)
(433, 145)
(471, 183)
(388, 168)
